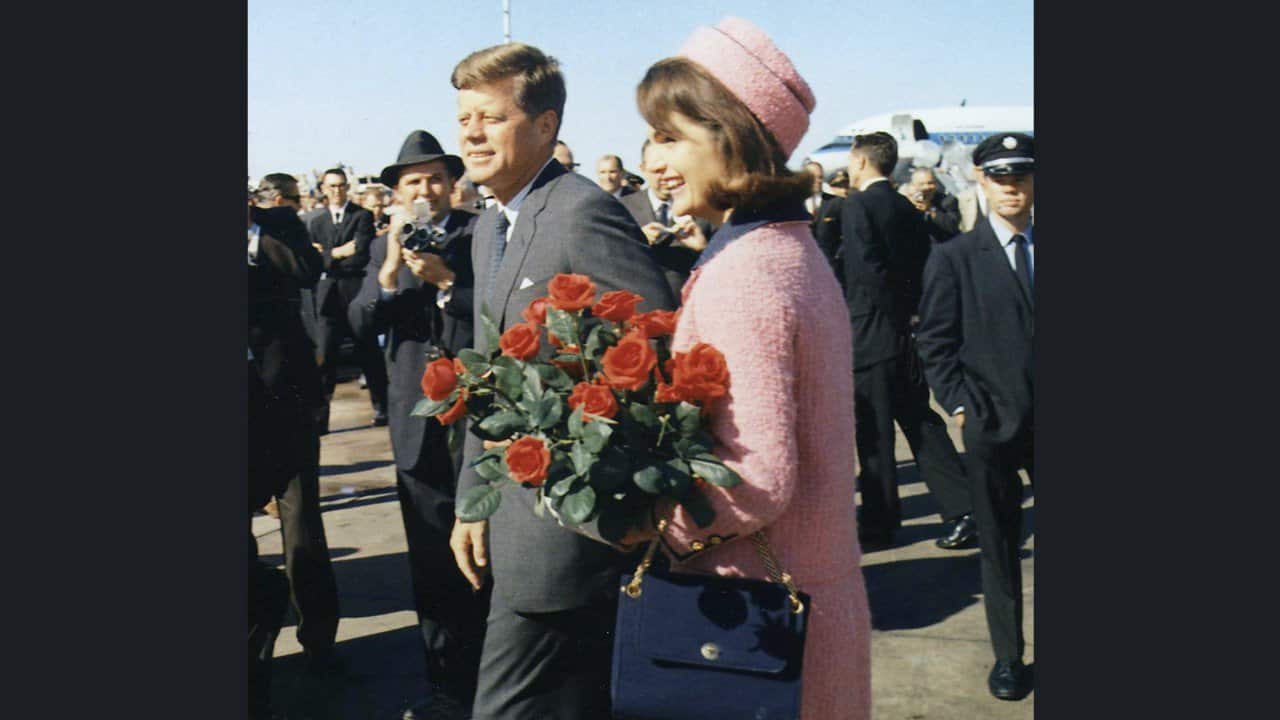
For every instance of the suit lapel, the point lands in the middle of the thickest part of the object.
(522, 237)
(996, 264)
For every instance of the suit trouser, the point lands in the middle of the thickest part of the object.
(896, 390)
(547, 666)
(997, 510)
(332, 327)
(451, 616)
(268, 596)
(313, 590)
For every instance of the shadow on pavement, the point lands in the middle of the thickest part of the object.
(353, 467)
(343, 501)
(378, 675)
(277, 560)
(376, 585)
(913, 594)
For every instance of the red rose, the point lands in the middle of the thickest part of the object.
(527, 460)
(439, 379)
(572, 368)
(458, 367)
(536, 311)
(595, 400)
(455, 413)
(655, 323)
(570, 292)
(627, 365)
(701, 373)
(669, 393)
(617, 306)
(520, 341)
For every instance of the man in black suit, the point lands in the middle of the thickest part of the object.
(941, 210)
(885, 247)
(817, 196)
(611, 176)
(676, 251)
(548, 640)
(827, 226)
(343, 232)
(977, 330)
(422, 301)
(283, 387)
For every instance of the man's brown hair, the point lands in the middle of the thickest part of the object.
(757, 168)
(539, 85)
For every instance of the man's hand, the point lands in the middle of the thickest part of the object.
(344, 250)
(319, 248)
(690, 234)
(428, 267)
(654, 231)
(392, 262)
(959, 419)
(471, 550)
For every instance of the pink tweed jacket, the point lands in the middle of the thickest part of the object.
(771, 304)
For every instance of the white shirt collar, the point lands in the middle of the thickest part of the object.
(656, 203)
(863, 187)
(1005, 234)
(444, 221)
(512, 209)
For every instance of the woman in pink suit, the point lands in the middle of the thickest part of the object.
(724, 116)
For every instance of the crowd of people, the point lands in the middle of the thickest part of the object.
(839, 301)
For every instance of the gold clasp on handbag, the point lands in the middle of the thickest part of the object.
(632, 589)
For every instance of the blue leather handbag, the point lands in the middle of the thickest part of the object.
(692, 647)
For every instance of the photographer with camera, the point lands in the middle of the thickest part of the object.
(941, 210)
(417, 291)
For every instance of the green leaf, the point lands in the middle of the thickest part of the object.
(676, 473)
(699, 508)
(595, 435)
(575, 423)
(594, 345)
(478, 503)
(644, 415)
(563, 325)
(611, 469)
(562, 488)
(551, 411)
(532, 380)
(510, 381)
(691, 447)
(490, 329)
(492, 471)
(474, 362)
(688, 418)
(578, 506)
(427, 407)
(715, 473)
(503, 424)
(649, 479)
(582, 459)
(554, 377)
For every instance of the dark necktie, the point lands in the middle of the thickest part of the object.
(495, 258)
(337, 218)
(1022, 261)
(664, 218)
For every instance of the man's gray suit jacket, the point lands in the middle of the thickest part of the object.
(566, 224)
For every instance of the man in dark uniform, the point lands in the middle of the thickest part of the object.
(344, 230)
(283, 386)
(422, 302)
(885, 246)
(977, 326)
(313, 588)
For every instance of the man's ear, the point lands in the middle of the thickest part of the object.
(546, 124)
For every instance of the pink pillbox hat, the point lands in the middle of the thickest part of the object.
(745, 60)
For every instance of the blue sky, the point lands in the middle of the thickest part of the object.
(337, 81)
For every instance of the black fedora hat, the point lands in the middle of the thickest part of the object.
(420, 147)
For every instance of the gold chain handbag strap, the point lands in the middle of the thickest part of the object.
(763, 549)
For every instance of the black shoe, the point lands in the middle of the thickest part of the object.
(963, 532)
(380, 419)
(1008, 680)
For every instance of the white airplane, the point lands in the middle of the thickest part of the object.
(933, 137)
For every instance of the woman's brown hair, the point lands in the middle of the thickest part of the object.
(757, 168)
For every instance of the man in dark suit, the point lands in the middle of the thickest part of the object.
(827, 227)
(283, 387)
(675, 251)
(548, 642)
(421, 300)
(885, 247)
(611, 176)
(941, 210)
(817, 196)
(977, 327)
(343, 230)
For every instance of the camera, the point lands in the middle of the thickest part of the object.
(417, 233)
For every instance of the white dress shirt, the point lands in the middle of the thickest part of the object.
(1005, 234)
(863, 187)
(338, 213)
(512, 209)
(255, 234)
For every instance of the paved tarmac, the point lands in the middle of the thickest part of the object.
(930, 652)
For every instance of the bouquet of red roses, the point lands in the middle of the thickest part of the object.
(609, 423)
